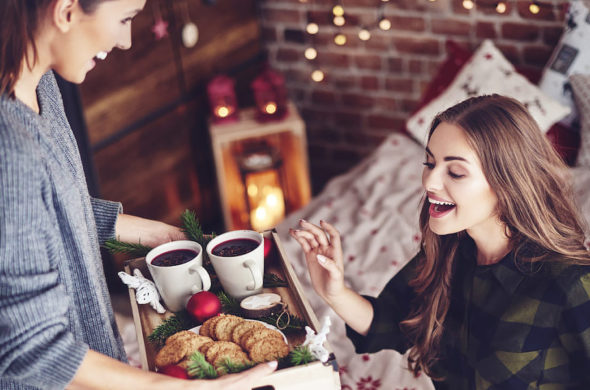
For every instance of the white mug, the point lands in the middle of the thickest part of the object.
(240, 276)
(177, 283)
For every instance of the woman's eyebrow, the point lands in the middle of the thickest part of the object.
(447, 158)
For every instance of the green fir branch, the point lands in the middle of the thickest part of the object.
(136, 250)
(229, 304)
(300, 355)
(229, 367)
(178, 322)
(271, 280)
(193, 230)
(200, 368)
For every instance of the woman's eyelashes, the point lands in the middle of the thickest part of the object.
(452, 174)
(126, 20)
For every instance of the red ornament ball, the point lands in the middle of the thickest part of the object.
(267, 246)
(174, 370)
(203, 305)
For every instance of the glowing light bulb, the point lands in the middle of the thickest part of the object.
(468, 4)
(252, 190)
(270, 108)
(312, 28)
(340, 39)
(338, 10)
(317, 76)
(364, 34)
(272, 200)
(432, 1)
(311, 53)
(222, 111)
(534, 8)
(384, 24)
(261, 213)
(501, 7)
(339, 21)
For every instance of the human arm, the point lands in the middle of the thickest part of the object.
(132, 229)
(98, 371)
(323, 254)
(373, 323)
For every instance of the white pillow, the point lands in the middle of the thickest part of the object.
(571, 55)
(485, 73)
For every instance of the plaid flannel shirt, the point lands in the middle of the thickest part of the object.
(505, 329)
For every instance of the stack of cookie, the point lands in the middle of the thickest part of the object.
(224, 337)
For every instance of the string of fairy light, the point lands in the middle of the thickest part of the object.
(382, 23)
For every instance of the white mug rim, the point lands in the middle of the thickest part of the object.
(220, 239)
(171, 246)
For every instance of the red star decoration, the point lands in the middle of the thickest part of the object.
(488, 56)
(160, 29)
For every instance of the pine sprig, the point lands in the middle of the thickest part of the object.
(168, 327)
(273, 280)
(200, 368)
(136, 250)
(229, 367)
(300, 355)
(229, 304)
(192, 228)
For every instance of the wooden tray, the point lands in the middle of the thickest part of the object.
(314, 375)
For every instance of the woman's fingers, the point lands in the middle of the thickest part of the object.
(310, 237)
(317, 232)
(334, 235)
(302, 241)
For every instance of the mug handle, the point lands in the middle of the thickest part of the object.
(250, 264)
(205, 279)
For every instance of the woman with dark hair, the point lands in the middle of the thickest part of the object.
(498, 297)
(57, 327)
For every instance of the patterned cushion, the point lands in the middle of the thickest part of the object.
(570, 56)
(489, 72)
(581, 88)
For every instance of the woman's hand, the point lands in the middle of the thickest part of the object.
(323, 253)
(146, 231)
(241, 381)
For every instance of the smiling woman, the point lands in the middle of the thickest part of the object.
(57, 325)
(498, 295)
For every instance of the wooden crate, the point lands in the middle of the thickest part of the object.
(315, 375)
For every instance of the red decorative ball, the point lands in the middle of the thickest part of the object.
(203, 305)
(267, 246)
(175, 371)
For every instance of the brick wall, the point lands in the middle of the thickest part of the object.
(371, 87)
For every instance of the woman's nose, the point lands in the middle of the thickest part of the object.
(124, 42)
(431, 180)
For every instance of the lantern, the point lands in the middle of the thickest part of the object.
(222, 99)
(260, 169)
(270, 95)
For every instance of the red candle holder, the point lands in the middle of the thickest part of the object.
(222, 99)
(270, 95)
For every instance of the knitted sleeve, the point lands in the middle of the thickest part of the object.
(36, 347)
(105, 215)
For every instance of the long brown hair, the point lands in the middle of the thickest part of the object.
(535, 203)
(20, 23)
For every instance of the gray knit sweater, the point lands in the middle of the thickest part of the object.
(54, 303)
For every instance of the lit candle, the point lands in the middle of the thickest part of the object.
(270, 108)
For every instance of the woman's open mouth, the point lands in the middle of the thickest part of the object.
(439, 209)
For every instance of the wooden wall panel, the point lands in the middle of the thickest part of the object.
(147, 110)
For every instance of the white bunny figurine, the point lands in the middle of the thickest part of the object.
(316, 342)
(145, 289)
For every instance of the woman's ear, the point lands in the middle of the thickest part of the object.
(64, 12)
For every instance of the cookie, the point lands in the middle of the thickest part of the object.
(224, 327)
(256, 334)
(267, 349)
(178, 335)
(234, 356)
(244, 327)
(206, 327)
(203, 348)
(194, 343)
(171, 353)
(218, 347)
